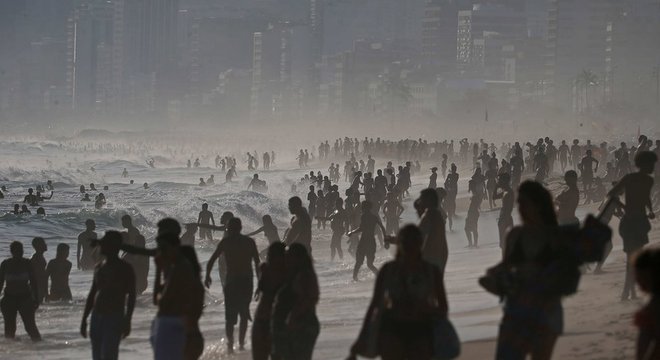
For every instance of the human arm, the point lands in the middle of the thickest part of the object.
(89, 303)
(137, 250)
(212, 220)
(209, 266)
(261, 229)
(355, 231)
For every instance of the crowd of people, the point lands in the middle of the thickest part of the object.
(409, 302)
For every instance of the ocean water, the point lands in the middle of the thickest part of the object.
(173, 192)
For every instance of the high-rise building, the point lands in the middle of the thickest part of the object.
(507, 22)
(94, 55)
(577, 40)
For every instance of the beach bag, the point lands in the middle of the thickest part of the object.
(446, 344)
(499, 280)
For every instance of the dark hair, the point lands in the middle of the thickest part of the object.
(429, 197)
(15, 247)
(295, 201)
(276, 250)
(542, 200)
(62, 247)
(169, 225)
(410, 239)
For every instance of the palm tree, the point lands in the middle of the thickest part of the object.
(586, 79)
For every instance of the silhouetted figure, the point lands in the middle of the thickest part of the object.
(194, 346)
(111, 301)
(366, 248)
(564, 153)
(239, 251)
(587, 170)
(175, 281)
(635, 226)
(409, 296)
(38, 263)
(25, 210)
(432, 226)
(273, 275)
(505, 219)
(19, 283)
(58, 271)
(269, 229)
(568, 200)
(472, 218)
(451, 186)
(99, 201)
(205, 217)
(647, 319)
(337, 224)
(87, 256)
(31, 198)
(433, 179)
(294, 324)
(533, 317)
(140, 264)
(188, 237)
(300, 230)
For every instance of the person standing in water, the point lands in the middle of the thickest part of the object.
(171, 295)
(269, 229)
(87, 257)
(58, 271)
(205, 217)
(273, 275)
(111, 301)
(337, 224)
(366, 248)
(635, 226)
(294, 324)
(300, 230)
(38, 263)
(19, 282)
(239, 251)
(140, 264)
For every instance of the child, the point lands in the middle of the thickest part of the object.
(647, 273)
(38, 263)
(58, 271)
